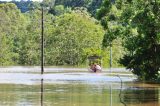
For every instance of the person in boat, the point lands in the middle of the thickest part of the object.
(92, 68)
(98, 68)
(95, 68)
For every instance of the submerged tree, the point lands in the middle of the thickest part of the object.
(144, 46)
(138, 23)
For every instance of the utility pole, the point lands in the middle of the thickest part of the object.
(42, 51)
(51, 2)
(110, 57)
(42, 41)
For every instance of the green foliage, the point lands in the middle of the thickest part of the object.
(11, 27)
(142, 39)
(22, 5)
(74, 37)
(73, 3)
(91, 5)
(104, 9)
(5, 54)
(137, 23)
(117, 53)
(59, 10)
(70, 37)
(29, 49)
(109, 14)
(33, 6)
(48, 3)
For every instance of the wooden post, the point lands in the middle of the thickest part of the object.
(42, 43)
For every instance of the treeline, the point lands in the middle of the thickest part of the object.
(76, 29)
(71, 34)
(69, 38)
(90, 5)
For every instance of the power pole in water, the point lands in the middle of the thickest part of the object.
(42, 43)
(42, 53)
(110, 57)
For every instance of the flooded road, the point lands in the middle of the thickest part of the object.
(75, 89)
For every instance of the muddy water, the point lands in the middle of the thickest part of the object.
(75, 89)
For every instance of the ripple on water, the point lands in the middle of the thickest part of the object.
(60, 78)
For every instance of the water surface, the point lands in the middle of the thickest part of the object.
(75, 89)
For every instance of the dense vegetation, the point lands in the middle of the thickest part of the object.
(137, 23)
(76, 29)
(69, 37)
(143, 19)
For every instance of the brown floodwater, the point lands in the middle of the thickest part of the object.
(75, 89)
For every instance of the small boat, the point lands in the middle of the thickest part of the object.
(95, 62)
(95, 68)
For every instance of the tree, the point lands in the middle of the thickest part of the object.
(11, 26)
(29, 49)
(138, 24)
(143, 23)
(109, 15)
(23, 5)
(74, 36)
(59, 10)
(73, 3)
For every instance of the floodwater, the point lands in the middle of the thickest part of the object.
(79, 88)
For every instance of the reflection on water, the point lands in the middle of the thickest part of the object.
(19, 95)
(74, 89)
(42, 88)
(140, 95)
